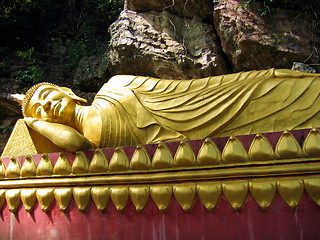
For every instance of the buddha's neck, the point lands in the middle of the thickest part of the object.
(80, 114)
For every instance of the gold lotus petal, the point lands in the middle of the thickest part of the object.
(29, 167)
(209, 194)
(234, 151)
(162, 157)
(263, 192)
(13, 199)
(161, 195)
(209, 154)
(140, 159)
(28, 197)
(184, 156)
(81, 197)
(119, 197)
(45, 197)
(2, 197)
(100, 197)
(63, 197)
(45, 167)
(287, 146)
(99, 162)
(236, 193)
(62, 166)
(13, 169)
(260, 149)
(312, 186)
(139, 196)
(185, 194)
(80, 163)
(311, 145)
(291, 191)
(119, 160)
(2, 169)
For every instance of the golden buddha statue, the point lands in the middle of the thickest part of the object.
(131, 110)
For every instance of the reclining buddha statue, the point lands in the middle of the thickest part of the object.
(131, 110)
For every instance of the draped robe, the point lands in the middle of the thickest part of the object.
(142, 110)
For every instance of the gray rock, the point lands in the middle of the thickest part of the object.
(254, 42)
(92, 73)
(164, 45)
(301, 67)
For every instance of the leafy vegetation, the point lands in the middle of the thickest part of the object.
(32, 73)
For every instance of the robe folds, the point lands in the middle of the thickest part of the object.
(142, 110)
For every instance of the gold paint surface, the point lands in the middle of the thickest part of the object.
(161, 195)
(209, 194)
(62, 166)
(80, 163)
(312, 187)
(13, 169)
(311, 145)
(29, 167)
(185, 194)
(209, 154)
(99, 162)
(287, 146)
(13, 199)
(260, 149)
(81, 197)
(45, 198)
(63, 197)
(263, 192)
(139, 196)
(162, 158)
(100, 197)
(184, 156)
(291, 191)
(236, 193)
(45, 166)
(119, 197)
(28, 198)
(234, 151)
(140, 159)
(119, 160)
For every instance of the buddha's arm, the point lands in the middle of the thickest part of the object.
(61, 135)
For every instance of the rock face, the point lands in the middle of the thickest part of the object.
(182, 8)
(164, 45)
(91, 73)
(253, 42)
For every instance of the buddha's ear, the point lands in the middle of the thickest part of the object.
(71, 94)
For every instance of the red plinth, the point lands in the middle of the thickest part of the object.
(278, 222)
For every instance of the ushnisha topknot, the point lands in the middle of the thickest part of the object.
(30, 93)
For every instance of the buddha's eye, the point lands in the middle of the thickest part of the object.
(38, 112)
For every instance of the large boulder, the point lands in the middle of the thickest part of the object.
(164, 45)
(251, 41)
(182, 8)
(92, 73)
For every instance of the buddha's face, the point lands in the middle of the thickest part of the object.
(51, 104)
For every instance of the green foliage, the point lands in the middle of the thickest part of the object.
(85, 46)
(32, 73)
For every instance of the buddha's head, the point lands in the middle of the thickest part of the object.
(50, 102)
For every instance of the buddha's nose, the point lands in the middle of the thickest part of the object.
(46, 105)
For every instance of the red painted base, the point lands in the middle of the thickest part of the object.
(279, 222)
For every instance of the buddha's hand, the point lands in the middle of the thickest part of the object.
(61, 135)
